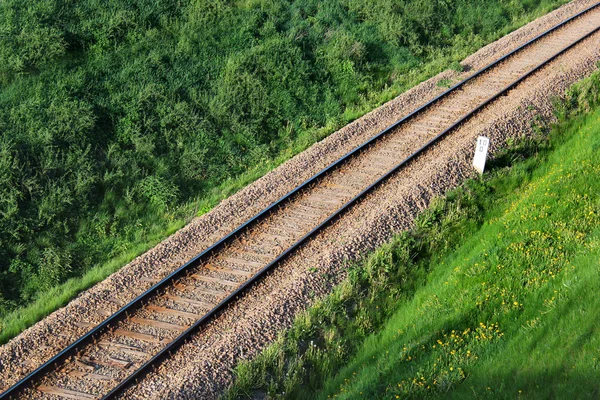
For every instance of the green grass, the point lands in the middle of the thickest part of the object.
(121, 122)
(22, 318)
(493, 294)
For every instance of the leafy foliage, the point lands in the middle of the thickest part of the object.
(115, 114)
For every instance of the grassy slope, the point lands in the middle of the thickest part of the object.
(511, 312)
(514, 309)
(72, 252)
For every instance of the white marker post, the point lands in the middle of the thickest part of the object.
(481, 150)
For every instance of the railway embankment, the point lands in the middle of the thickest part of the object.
(492, 293)
(202, 365)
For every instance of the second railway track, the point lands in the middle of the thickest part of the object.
(130, 342)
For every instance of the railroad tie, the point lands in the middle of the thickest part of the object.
(322, 207)
(339, 187)
(293, 218)
(158, 324)
(66, 393)
(199, 290)
(328, 197)
(80, 374)
(306, 216)
(131, 350)
(227, 270)
(371, 171)
(84, 365)
(423, 126)
(140, 336)
(112, 362)
(189, 302)
(252, 253)
(241, 261)
(211, 279)
(275, 237)
(172, 311)
(308, 212)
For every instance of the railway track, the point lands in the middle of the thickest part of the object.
(132, 341)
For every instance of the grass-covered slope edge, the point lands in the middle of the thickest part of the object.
(492, 292)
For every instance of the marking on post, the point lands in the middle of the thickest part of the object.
(481, 149)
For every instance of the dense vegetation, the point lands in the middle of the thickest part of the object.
(116, 117)
(493, 294)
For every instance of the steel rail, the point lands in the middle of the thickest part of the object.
(139, 301)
